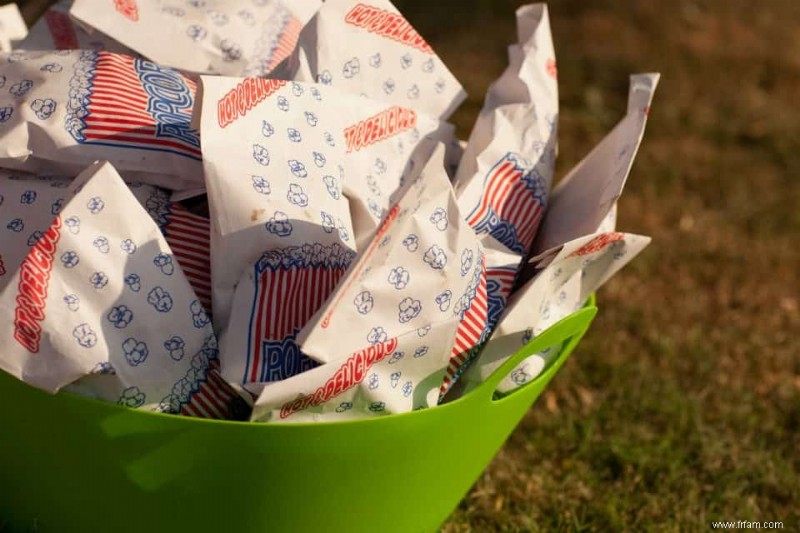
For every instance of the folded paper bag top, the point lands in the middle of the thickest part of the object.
(371, 49)
(100, 291)
(229, 37)
(62, 110)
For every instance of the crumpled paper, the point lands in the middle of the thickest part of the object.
(229, 37)
(371, 49)
(62, 110)
(12, 26)
(97, 294)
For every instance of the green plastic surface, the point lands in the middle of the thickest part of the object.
(71, 464)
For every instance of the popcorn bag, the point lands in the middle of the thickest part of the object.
(60, 111)
(229, 37)
(331, 265)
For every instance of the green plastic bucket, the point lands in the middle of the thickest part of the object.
(69, 463)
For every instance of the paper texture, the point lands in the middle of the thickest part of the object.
(100, 293)
(371, 49)
(12, 26)
(229, 37)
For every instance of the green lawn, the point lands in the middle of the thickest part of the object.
(682, 404)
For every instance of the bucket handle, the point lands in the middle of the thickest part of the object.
(575, 324)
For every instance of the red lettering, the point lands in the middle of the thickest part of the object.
(247, 94)
(386, 24)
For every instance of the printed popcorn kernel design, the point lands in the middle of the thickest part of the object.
(70, 259)
(164, 263)
(399, 278)
(73, 302)
(297, 196)
(377, 335)
(279, 224)
(120, 316)
(175, 346)
(439, 219)
(5, 113)
(261, 185)
(21, 88)
(135, 352)
(409, 309)
(133, 282)
(435, 257)
(102, 245)
(98, 280)
(85, 335)
(160, 299)
(132, 397)
(43, 108)
(200, 318)
(443, 300)
(364, 302)
(261, 154)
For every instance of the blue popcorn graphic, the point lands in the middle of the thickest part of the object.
(421, 351)
(344, 406)
(466, 261)
(435, 257)
(408, 388)
(51, 67)
(385, 241)
(16, 225)
(294, 135)
(95, 205)
(283, 103)
(325, 77)
(133, 282)
(2, 81)
(279, 224)
(120, 316)
(103, 367)
(73, 302)
(27, 198)
(406, 61)
(427, 66)
(98, 280)
(56, 207)
(377, 407)
(319, 159)
(399, 277)
(409, 309)
(439, 86)
(164, 263)
(373, 381)
(297, 89)
(297, 168)
(389, 86)
(411, 243)
(439, 219)
(200, 318)
(372, 183)
(343, 233)
(421, 332)
(395, 379)
(128, 246)
(332, 185)
(374, 208)
(364, 302)
(520, 376)
(413, 92)
(443, 300)
(375, 61)
(329, 140)
(70, 259)
(160, 299)
(377, 335)
(73, 224)
(527, 336)
(266, 129)
(351, 68)
(230, 50)
(220, 19)
(135, 352)
(380, 166)
(328, 224)
(196, 32)
(261, 185)
(85, 335)
(101, 243)
(316, 94)
(21, 88)
(5, 113)
(261, 154)
(396, 356)
(197, 3)
(562, 296)
(311, 118)
(131, 397)
(175, 346)
(34, 237)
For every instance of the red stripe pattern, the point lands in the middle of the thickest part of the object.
(61, 29)
(291, 285)
(116, 100)
(214, 398)
(188, 235)
(471, 330)
(511, 205)
(286, 42)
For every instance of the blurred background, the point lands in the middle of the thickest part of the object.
(682, 404)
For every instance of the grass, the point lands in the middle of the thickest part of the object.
(682, 404)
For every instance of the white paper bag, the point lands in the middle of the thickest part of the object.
(60, 111)
(12, 26)
(229, 37)
(100, 292)
(371, 49)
